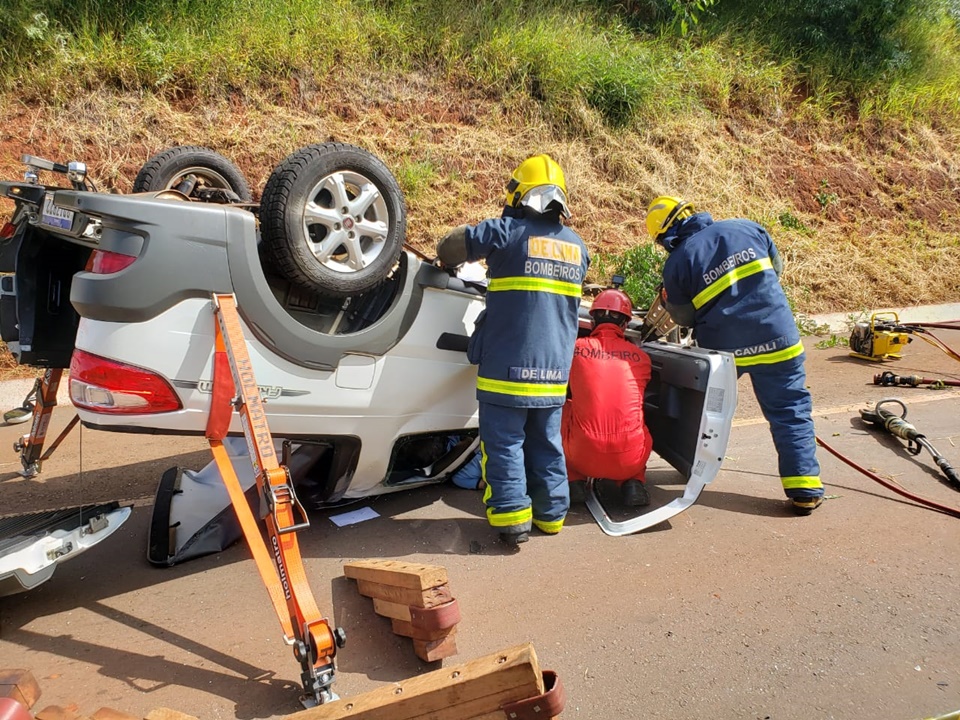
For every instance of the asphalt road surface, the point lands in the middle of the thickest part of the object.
(732, 609)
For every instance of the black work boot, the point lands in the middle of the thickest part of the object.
(806, 505)
(578, 491)
(634, 493)
(514, 537)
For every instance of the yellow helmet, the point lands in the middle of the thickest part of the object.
(664, 212)
(538, 183)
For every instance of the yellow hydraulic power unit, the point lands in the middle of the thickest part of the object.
(880, 339)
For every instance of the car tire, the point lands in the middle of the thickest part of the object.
(190, 170)
(334, 219)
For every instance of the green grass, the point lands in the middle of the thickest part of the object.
(641, 267)
(416, 177)
(579, 61)
(833, 341)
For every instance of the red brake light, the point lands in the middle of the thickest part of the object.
(115, 388)
(104, 262)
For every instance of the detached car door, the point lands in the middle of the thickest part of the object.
(689, 407)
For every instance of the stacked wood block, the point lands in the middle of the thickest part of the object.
(21, 687)
(416, 598)
(507, 685)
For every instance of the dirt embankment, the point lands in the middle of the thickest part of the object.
(866, 215)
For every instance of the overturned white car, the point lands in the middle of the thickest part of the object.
(357, 341)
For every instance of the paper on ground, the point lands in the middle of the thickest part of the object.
(354, 516)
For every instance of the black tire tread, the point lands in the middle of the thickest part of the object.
(275, 224)
(151, 175)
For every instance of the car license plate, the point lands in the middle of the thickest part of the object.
(55, 216)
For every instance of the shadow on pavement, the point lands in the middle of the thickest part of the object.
(432, 520)
(255, 691)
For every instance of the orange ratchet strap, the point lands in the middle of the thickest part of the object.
(281, 566)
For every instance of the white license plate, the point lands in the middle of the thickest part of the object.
(56, 216)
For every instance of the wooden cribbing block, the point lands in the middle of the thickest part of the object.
(405, 596)
(163, 713)
(413, 576)
(20, 685)
(407, 629)
(433, 650)
(55, 712)
(473, 689)
(415, 595)
(106, 713)
(395, 611)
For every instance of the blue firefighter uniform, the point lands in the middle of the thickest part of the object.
(523, 344)
(724, 276)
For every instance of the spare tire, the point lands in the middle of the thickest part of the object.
(333, 219)
(197, 172)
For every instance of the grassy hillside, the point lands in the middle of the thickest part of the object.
(851, 159)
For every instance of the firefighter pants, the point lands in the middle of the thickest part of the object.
(782, 393)
(619, 459)
(523, 466)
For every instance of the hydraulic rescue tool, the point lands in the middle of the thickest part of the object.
(657, 321)
(281, 567)
(887, 378)
(897, 425)
(879, 339)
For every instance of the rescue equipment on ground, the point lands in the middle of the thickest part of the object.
(883, 339)
(897, 425)
(955, 512)
(879, 339)
(888, 378)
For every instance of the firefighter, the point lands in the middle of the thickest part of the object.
(523, 343)
(604, 435)
(723, 280)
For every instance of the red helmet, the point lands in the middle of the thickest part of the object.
(613, 301)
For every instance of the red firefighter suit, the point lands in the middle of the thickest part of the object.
(604, 435)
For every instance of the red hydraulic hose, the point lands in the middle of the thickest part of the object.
(945, 325)
(929, 337)
(890, 486)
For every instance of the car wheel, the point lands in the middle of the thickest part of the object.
(334, 219)
(197, 172)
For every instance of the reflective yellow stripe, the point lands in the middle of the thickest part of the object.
(515, 517)
(529, 284)
(806, 482)
(509, 387)
(729, 280)
(551, 527)
(483, 470)
(771, 357)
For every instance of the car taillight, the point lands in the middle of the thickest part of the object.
(104, 262)
(107, 386)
